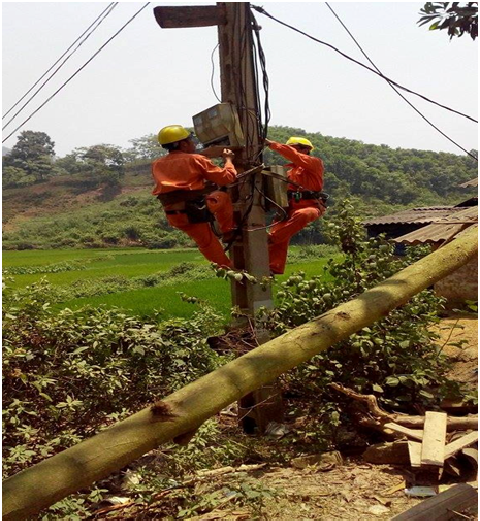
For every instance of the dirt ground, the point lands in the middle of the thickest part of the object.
(353, 490)
(462, 331)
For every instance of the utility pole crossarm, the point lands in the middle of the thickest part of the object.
(178, 17)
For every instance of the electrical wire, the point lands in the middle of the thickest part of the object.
(261, 10)
(261, 56)
(76, 72)
(213, 73)
(107, 10)
(396, 91)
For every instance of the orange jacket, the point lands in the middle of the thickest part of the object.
(180, 171)
(306, 170)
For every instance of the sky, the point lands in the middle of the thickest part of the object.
(148, 77)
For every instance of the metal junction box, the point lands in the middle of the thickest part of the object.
(219, 125)
(275, 186)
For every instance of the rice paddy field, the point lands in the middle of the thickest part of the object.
(100, 268)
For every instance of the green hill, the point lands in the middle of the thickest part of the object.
(77, 211)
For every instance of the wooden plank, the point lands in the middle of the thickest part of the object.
(415, 453)
(189, 16)
(443, 506)
(434, 436)
(410, 433)
(456, 445)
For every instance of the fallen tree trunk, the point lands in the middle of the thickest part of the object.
(42, 485)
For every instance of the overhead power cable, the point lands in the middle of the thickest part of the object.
(213, 74)
(396, 91)
(76, 72)
(81, 40)
(261, 10)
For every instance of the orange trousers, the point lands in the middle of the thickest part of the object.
(220, 204)
(300, 215)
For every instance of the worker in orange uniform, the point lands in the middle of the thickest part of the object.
(306, 203)
(184, 185)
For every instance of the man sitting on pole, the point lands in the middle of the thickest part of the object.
(185, 185)
(305, 200)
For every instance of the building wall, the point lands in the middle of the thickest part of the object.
(460, 285)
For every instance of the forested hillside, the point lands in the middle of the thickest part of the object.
(100, 195)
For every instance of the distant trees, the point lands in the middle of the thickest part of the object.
(105, 163)
(31, 160)
(146, 147)
(457, 19)
(380, 174)
(101, 164)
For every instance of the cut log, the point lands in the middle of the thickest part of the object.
(393, 453)
(443, 506)
(434, 436)
(409, 433)
(454, 423)
(464, 441)
(415, 453)
(414, 422)
(471, 455)
(75, 468)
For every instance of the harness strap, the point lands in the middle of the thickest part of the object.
(175, 212)
(297, 195)
(180, 196)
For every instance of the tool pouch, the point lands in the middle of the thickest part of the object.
(197, 211)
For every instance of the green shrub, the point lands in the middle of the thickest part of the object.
(395, 359)
(68, 374)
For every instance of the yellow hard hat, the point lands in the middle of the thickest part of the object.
(172, 133)
(300, 141)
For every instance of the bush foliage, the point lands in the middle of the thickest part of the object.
(396, 359)
(67, 374)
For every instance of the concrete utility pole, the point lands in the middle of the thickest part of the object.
(239, 88)
(250, 251)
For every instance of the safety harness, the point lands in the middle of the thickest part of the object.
(193, 201)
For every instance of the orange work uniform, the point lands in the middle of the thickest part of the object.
(306, 171)
(180, 171)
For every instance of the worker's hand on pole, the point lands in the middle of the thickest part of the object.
(227, 154)
(267, 142)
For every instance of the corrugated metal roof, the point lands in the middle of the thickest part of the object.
(468, 215)
(467, 184)
(443, 229)
(431, 233)
(425, 215)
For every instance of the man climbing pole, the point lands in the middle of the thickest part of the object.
(185, 185)
(306, 202)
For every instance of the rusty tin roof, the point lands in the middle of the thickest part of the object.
(442, 229)
(422, 215)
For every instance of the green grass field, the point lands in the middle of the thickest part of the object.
(135, 262)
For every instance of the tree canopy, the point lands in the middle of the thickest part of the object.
(457, 19)
(31, 160)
